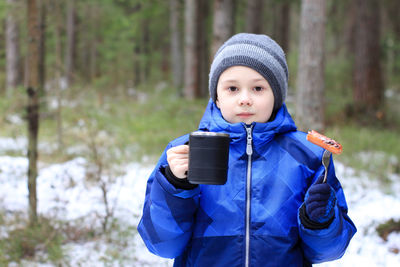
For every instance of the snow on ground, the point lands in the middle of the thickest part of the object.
(368, 207)
(13, 144)
(64, 193)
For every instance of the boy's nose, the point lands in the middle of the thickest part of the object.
(245, 99)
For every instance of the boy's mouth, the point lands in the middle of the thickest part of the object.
(245, 114)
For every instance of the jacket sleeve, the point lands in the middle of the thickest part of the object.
(168, 214)
(329, 243)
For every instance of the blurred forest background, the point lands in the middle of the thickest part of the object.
(115, 80)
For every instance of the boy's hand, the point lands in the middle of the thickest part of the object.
(178, 160)
(320, 201)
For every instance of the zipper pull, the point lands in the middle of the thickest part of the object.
(249, 147)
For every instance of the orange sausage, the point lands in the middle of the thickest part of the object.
(324, 142)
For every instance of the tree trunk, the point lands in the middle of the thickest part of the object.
(282, 25)
(270, 18)
(349, 28)
(191, 79)
(70, 45)
(58, 73)
(254, 16)
(33, 103)
(145, 50)
(392, 8)
(310, 80)
(93, 59)
(42, 47)
(141, 53)
(223, 23)
(85, 37)
(90, 57)
(203, 52)
(367, 78)
(176, 46)
(12, 49)
(136, 62)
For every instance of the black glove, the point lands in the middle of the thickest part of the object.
(319, 205)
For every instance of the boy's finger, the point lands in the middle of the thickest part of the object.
(174, 155)
(178, 161)
(182, 149)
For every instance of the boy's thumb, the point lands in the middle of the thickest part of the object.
(320, 179)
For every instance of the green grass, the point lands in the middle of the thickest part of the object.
(25, 241)
(154, 124)
(113, 120)
(137, 128)
(355, 139)
(129, 129)
(369, 149)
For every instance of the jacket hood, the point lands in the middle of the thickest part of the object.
(213, 121)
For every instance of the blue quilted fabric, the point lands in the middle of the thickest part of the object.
(205, 226)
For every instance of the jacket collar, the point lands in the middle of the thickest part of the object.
(263, 133)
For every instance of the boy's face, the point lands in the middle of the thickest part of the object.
(243, 95)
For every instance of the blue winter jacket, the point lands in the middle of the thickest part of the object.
(252, 220)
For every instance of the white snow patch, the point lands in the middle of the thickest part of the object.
(65, 193)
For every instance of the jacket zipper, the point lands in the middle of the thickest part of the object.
(249, 152)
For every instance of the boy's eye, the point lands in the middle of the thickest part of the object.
(258, 88)
(232, 89)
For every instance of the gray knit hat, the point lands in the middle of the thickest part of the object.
(258, 52)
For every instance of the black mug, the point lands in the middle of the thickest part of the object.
(208, 158)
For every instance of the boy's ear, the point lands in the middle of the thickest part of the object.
(217, 103)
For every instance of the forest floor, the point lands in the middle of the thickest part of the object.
(69, 197)
(90, 199)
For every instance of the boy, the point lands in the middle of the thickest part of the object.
(274, 209)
